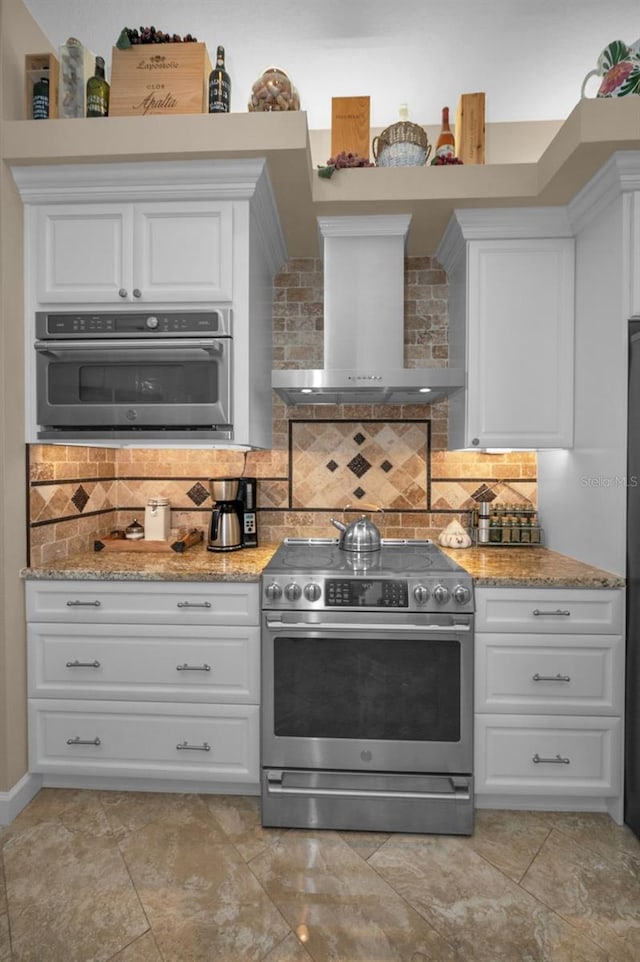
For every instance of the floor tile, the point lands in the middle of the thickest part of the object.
(143, 949)
(510, 840)
(339, 908)
(289, 950)
(480, 911)
(5, 941)
(69, 894)
(202, 901)
(598, 832)
(581, 886)
(239, 819)
(129, 812)
(364, 843)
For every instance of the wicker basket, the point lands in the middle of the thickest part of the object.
(401, 145)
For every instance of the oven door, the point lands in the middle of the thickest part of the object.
(133, 385)
(366, 692)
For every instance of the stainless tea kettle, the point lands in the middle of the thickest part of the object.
(360, 535)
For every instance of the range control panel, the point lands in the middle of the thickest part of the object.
(107, 324)
(318, 592)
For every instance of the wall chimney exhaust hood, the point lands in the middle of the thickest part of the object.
(364, 322)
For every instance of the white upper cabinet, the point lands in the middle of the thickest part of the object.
(511, 317)
(157, 253)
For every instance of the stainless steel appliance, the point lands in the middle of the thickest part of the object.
(134, 376)
(367, 688)
(233, 516)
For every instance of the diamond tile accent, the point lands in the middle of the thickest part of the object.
(80, 498)
(386, 466)
(359, 465)
(359, 493)
(484, 493)
(332, 465)
(359, 438)
(198, 494)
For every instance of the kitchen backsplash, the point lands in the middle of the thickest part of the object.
(323, 458)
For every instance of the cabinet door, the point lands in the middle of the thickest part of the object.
(183, 252)
(82, 253)
(520, 300)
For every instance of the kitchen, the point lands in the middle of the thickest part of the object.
(273, 466)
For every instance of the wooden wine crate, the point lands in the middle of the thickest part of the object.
(37, 65)
(469, 130)
(159, 78)
(350, 125)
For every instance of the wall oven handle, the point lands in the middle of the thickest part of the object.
(125, 347)
(356, 626)
(279, 789)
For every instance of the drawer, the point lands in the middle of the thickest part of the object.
(550, 674)
(217, 742)
(137, 602)
(554, 610)
(152, 663)
(548, 755)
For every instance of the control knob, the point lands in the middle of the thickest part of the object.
(292, 592)
(312, 591)
(461, 594)
(440, 594)
(151, 322)
(421, 594)
(273, 591)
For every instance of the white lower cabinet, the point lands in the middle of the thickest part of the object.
(549, 695)
(157, 680)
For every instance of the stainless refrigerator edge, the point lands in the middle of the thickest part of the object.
(632, 721)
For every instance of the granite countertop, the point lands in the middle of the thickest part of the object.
(497, 567)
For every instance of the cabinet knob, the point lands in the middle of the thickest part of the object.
(137, 292)
(475, 441)
(122, 292)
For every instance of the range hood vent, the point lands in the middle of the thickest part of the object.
(364, 322)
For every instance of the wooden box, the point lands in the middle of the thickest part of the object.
(469, 129)
(350, 125)
(37, 65)
(159, 78)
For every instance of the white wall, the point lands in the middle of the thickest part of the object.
(529, 57)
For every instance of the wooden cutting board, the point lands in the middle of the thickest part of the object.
(116, 541)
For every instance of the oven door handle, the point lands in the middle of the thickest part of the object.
(275, 787)
(356, 626)
(181, 347)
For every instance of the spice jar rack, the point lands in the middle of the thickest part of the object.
(510, 527)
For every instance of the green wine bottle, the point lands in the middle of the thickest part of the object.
(98, 92)
(219, 86)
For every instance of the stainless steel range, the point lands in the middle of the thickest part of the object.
(367, 688)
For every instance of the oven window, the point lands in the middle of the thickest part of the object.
(397, 689)
(192, 382)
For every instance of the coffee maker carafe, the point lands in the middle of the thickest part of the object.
(225, 531)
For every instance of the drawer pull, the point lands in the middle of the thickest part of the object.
(83, 664)
(185, 746)
(194, 604)
(83, 604)
(557, 677)
(558, 760)
(558, 611)
(79, 741)
(187, 667)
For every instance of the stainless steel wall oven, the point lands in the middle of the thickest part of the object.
(134, 375)
(367, 689)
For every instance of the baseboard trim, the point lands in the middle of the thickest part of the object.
(13, 801)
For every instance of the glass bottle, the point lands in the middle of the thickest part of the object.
(445, 144)
(98, 92)
(219, 86)
(40, 102)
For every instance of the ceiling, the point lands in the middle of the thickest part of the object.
(528, 57)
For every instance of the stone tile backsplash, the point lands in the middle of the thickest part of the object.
(323, 457)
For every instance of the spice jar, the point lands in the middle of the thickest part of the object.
(134, 532)
(157, 516)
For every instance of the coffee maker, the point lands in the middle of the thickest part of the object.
(233, 517)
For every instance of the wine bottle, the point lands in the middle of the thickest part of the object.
(219, 86)
(98, 92)
(445, 145)
(40, 103)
